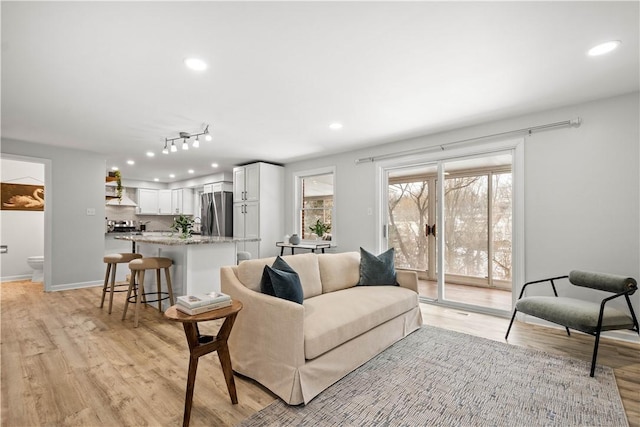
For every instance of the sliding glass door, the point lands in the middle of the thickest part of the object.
(466, 232)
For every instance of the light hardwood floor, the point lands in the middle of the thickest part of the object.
(475, 295)
(67, 362)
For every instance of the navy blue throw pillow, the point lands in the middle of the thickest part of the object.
(377, 270)
(280, 280)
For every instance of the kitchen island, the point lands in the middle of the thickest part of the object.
(196, 260)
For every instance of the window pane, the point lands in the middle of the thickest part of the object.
(317, 205)
(408, 213)
(466, 232)
(502, 209)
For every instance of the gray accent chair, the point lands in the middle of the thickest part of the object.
(585, 316)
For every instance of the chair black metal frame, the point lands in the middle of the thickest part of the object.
(598, 330)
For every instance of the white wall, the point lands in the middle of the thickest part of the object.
(74, 241)
(582, 189)
(21, 231)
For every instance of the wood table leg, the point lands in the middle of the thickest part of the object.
(225, 358)
(191, 381)
(225, 361)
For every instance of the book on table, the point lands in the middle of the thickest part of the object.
(203, 308)
(199, 300)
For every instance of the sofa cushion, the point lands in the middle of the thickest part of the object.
(306, 265)
(339, 271)
(281, 281)
(377, 270)
(334, 318)
(250, 272)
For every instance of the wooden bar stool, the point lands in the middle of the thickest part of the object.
(112, 261)
(138, 268)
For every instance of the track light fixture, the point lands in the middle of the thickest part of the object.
(185, 136)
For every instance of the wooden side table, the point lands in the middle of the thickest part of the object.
(199, 345)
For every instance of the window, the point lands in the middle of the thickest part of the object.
(315, 204)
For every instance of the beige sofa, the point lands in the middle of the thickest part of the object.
(297, 351)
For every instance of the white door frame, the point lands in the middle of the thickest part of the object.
(48, 185)
(516, 146)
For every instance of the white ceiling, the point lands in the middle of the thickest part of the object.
(109, 76)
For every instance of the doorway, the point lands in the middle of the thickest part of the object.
(452, 221)
(23, 231)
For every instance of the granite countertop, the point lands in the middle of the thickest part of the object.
(177, 241)
(138, 233)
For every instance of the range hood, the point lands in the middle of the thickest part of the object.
(126, 201)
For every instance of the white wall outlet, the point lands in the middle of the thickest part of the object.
(91, 211)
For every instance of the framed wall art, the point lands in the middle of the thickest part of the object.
(22, 197)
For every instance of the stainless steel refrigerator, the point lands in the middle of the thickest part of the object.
(217, 214)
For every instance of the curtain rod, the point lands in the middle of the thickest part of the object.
(576, 122)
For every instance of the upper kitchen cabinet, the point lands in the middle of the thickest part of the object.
(164, 202)
(147, 201)
(259, 207)
(215, 187)
(182, 201)
(246, 182)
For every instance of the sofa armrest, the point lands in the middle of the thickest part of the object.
(407, 279)
(267, 328)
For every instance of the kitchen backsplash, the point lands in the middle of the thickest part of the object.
(128, 213)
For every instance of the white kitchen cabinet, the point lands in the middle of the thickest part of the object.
(258, 208)
(246, 223)
(218, 186)
(164, 202)
(182, 201)
(147, 201)
(176, 201)
(246, 182)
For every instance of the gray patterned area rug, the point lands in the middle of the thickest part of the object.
(436, 377)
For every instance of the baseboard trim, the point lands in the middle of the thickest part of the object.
(79, 285)
(15, 278)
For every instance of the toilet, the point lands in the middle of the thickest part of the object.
(37, 264)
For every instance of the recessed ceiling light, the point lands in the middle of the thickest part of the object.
(195, 64)
(131, 162)
(603, 48)
(335, 126)
(114, 168)
(172, 175)
(190, 171)
(156, 179)
(150, 154)
(214, 165)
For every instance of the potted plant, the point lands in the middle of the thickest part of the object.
(118, 185)
(184, 225)
(319, 228)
